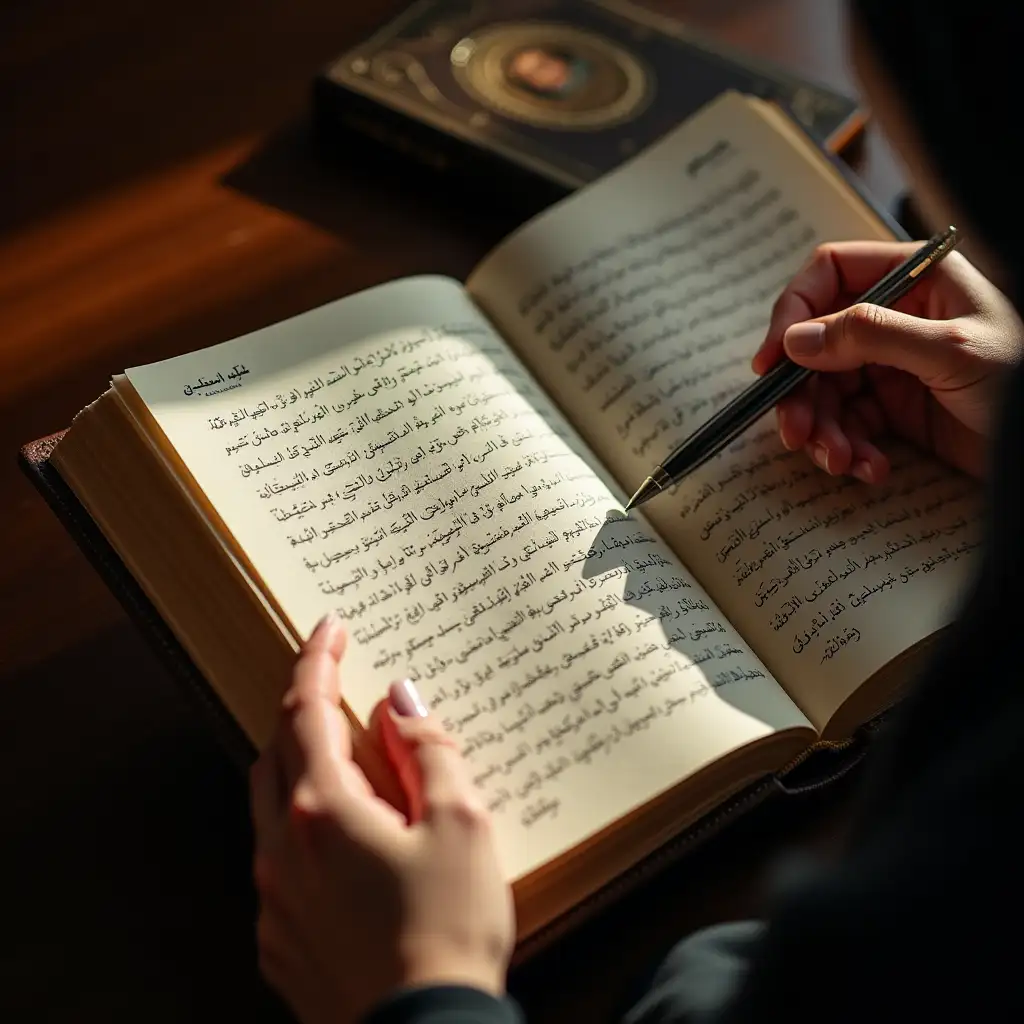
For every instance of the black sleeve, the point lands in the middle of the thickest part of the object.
(699, 977)
(920, 922)
(445, 1004)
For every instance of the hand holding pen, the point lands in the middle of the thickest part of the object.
(925, 373)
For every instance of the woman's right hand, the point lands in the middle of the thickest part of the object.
(926, 371)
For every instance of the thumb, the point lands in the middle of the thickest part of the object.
(865, 334)
(427, 760)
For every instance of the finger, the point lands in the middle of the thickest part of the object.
(867, 462)
(447, 793)
(770, 351)
(315, 735)
(796, 417)
(321, 777)
(829, 444)
(377, 774)
(835, 272)
(867, 335)
(401, 760)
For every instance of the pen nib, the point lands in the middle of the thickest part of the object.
(646, 490)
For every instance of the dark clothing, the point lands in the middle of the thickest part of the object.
(445, 1005)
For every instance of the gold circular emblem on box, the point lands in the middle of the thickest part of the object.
(552, 75)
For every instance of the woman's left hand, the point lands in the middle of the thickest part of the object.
(357, 902)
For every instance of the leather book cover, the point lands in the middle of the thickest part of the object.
(35, 462)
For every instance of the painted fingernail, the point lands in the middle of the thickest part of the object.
(862, 471)
(806, 339)
(820, 456)
(406, 701)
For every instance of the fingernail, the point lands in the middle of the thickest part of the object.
(406, 700)
(820, 456)
(862, 471)
(326, 626)
(806, 339)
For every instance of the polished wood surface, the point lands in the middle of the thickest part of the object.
(156, 195)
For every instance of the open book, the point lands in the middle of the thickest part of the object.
(444, 465)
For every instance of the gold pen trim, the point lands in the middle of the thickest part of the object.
(947, 243)
(922, 267)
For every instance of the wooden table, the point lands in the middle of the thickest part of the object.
(124, 846)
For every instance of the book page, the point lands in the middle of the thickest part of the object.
(388, 457)
(638, 303)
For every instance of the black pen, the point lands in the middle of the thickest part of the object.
(765, 393)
